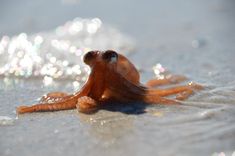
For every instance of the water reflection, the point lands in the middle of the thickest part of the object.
(108, 127)
(58, 54)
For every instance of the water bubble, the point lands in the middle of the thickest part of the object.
(38, 39)
(65, 63)
(47, 80)
(4, 41)
(5, 120)
(159, 70)
(56, 131)
(76, 85)
(197, 43)
(53, 59)
(92, 28)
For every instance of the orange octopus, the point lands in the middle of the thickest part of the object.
(113, 78)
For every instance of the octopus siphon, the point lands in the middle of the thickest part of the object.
(112, 78)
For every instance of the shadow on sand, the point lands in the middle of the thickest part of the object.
(127, 108)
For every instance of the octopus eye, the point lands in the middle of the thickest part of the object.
(90, 56)
(110, 56)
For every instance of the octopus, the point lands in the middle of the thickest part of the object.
(113, 78)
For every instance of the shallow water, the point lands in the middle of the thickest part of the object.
(193, 38)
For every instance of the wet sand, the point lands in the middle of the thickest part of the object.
(193, 38)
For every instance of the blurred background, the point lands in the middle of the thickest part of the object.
(41, 47)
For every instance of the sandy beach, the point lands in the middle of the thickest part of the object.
(193, 38)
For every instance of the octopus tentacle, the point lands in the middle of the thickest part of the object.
(61, 105)
(54, 96)
(173, 79)
(94, 87)
(128, 96)
(87, 105)
(156, 100)
(131, 92)
(158, 92)
(175, 90)
(67, 102)
(184, 95)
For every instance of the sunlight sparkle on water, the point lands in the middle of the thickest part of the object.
(158, 70)
(58, 54)
(5, 120)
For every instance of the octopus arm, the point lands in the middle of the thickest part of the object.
(127, 91)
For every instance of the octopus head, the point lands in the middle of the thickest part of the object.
(110, 56)
(90, 57)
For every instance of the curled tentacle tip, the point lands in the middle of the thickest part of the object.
(21, 109)
(178, 101)
(177, 78)
(180, 97)
(86, 105)
(195, 86)
(87, 110)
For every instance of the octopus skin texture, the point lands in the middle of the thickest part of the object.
(112, 78)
